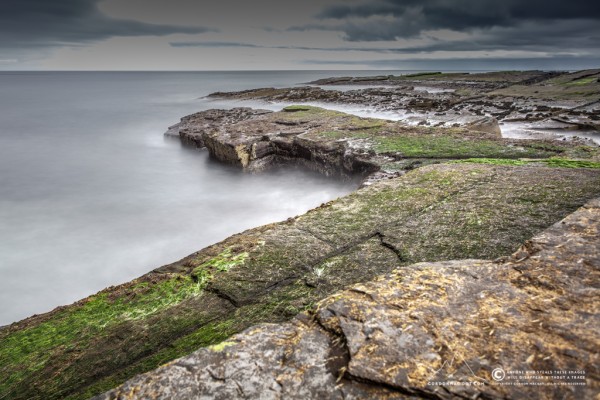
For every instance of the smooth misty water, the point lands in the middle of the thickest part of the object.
(92, 194)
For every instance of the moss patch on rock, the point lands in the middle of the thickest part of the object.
(454, 147)
(550, 162)
(150, 310)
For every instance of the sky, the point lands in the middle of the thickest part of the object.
(298, 35)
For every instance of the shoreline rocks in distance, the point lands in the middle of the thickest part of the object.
(534, 99)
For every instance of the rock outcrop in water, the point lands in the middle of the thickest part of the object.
(444, 330)
(336, 143)
(493, 194)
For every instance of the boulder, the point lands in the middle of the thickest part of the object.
(486, 124)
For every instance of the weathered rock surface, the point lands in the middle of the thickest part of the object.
(271, 273)
(459, 99)
(336, 143)
(407, 333)
(192, 127)
(485, 124)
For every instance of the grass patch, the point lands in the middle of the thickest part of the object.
(297, 108)
(582, 81)
(222, 262)
(491, 161)
(567, 163)
(452, 147)
(28, 350)
(551, 162)
(300, 112)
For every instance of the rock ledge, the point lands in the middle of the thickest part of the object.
(405, 334)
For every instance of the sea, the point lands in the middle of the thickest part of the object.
(92, 194)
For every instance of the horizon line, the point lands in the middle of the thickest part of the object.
(295, 70)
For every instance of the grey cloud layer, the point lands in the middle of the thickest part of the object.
(42, 23)
(411, 17)
(537, 28)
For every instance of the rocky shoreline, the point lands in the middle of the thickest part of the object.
(540, 103)
(430, 194)
(339, 144)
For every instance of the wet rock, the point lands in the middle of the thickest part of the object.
(173, 130)
(338, 144)
(487, 125)
(444, 330)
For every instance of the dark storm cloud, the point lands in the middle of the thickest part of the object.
(391, 19)
(42, 23)
(529, 37)
(467, 13)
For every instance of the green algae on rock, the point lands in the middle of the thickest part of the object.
(429, 330)
(551, 162)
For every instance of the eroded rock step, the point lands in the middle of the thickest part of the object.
(339, 144)
(538, 310)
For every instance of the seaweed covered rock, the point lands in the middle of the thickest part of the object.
(520, 327)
